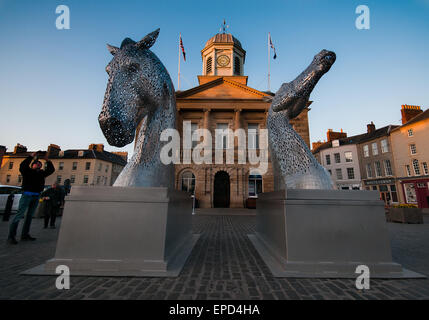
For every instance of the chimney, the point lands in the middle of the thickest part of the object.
(332, 135)
(53, 150)
(96, 147)
(317, 145)
(19, 148)
(2, 153)
(370, 127)
(408, 112)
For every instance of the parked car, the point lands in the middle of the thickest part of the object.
(5, 191)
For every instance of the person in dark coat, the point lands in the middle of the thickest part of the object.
(33, 182)
(54, 199)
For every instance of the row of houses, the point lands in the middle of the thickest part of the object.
(92, 166)
(392, 160)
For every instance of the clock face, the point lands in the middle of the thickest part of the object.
(223, 61)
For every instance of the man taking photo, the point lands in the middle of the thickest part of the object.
(32, 185)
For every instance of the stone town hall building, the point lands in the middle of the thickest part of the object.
(223, 100)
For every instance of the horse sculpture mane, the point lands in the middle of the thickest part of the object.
(139, 98)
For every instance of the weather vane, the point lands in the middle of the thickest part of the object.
(224, 26)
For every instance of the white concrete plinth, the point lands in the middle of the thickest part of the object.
(123, 231)
(324, 234)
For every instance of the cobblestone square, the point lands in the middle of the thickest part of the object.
(223, 265)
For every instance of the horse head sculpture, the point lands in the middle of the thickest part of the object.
(140, 98)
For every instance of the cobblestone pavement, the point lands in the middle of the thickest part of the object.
(223, 265)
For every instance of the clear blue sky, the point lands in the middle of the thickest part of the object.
(52, 82)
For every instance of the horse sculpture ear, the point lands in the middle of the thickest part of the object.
(149, 40)
(113, 50)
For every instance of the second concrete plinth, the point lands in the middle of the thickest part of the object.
(324, 234)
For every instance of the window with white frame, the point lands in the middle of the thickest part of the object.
(328, 159)
(374, 149)
(74, 167)
(366, 151)
(188, 182)
(413, 149)
(378, 171)
(85, 180)
(253, 135)
(339, 173)
(337, 158)
(349, 156)
(416, 167)
(73, 179)
(10, 165)
(410, 132)
(255, 185)
(61, 166)
(59, 178)
(194, 127)
(388, 168)
(350, 173)
(222, 136)
(384, 146)
(408, 170)
(425, 168)
(369, 170)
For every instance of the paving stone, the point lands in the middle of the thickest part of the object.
(223, 265)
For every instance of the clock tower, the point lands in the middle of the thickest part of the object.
(222, 56)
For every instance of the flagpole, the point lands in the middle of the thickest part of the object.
(269, 62)
(178, 76)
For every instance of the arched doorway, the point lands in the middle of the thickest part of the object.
(221, 194)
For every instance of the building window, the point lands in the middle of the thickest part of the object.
(100, 166)
(349, 156)
(369, 170)
(72, 179)
(408, 170)
(209, 64)
(337, 157)
(107, 168)
(388, 168)
(237, 67)
(59, 178)
(393, 192)
(425, 168)
(74, 167)
(413, 149)
(188, 182)
(339, 173)
(366, 151)
(61, 166)
(85, 179)
(8, 178)
(350, 173)
(87, 165)
(253, 135)
(378, 171)
(374, 149)
(328, 159)
(10, 165)
(255, 185)
(19, 178)
(194, 127)
(222, 136)
(384, 146)
(416, 167)
(410, 132)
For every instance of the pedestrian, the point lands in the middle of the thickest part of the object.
(53, 198)
(33, 182)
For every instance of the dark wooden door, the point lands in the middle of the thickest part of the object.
(221, 190)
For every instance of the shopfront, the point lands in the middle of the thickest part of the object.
(416, 192)
(386, 188)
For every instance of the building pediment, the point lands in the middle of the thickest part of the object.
(223, 89)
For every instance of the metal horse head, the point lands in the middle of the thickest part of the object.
(136, 87)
